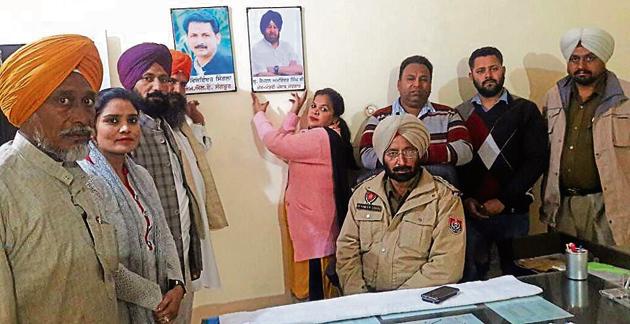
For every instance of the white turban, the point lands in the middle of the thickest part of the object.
(405, 125)
(596, 40)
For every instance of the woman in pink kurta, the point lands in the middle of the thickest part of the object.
(317, 190)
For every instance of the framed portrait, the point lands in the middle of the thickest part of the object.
(8, 49)
(205, 35)
(7, 131)
(276, 49)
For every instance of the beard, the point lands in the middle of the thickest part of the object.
(490, 91)
(171, 107)
(587, 79)
(176, 115)
(403, 173)
(74, 153)
(272, 38)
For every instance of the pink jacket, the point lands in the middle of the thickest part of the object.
(309, 194)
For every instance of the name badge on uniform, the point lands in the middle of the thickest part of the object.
(369, 207)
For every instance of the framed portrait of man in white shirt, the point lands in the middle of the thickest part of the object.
(276, 49)
(205, 35)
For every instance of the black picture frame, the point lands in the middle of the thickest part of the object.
(274, 70)
(7, 130)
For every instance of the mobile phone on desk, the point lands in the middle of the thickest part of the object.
(439, 294)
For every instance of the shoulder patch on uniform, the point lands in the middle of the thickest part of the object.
(370, 197)
(455, 224)
(449, 185)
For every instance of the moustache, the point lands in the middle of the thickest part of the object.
(582, 72)
(86, 131)
(201, 46)
(157, 95)
(402, 168)
(488, 81)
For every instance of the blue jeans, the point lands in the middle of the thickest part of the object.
(481, 234)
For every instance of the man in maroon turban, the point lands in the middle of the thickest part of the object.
(163, 151)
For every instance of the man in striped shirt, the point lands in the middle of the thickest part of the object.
(450, 142)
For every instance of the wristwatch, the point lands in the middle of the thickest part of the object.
(174, 283)
(276, 69)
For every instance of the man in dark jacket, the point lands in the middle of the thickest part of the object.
(510, 152)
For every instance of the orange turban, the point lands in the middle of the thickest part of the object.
(181, 63)
(34, 71)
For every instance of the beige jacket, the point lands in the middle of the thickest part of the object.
(422, 245)
(611, 140)
(58, 255)
(214, 207)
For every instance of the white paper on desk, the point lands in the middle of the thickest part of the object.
(455, 319)
(370, 304)
(528, 310)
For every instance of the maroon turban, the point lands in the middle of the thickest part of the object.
(134, 62)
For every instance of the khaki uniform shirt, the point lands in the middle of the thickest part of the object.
(57, 258)
(422, 245)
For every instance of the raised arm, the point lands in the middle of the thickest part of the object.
(307, 147)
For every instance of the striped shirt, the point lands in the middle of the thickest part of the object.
(450, 141)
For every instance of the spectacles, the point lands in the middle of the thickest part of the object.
(575, 59)
(407, 153)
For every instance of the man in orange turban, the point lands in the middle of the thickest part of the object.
(180, 75)
(32, 73)
(57, 258)
(180, 70)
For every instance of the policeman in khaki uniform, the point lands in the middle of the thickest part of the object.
(404, 228)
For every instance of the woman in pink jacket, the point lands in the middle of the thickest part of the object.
(318, 190)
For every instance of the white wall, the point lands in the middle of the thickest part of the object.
(352, 46)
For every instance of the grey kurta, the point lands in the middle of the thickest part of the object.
(57, 257)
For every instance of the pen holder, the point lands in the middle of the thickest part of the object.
(577, 293)
(577, 264)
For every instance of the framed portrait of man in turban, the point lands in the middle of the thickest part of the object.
(205, 35)
(276, 49)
